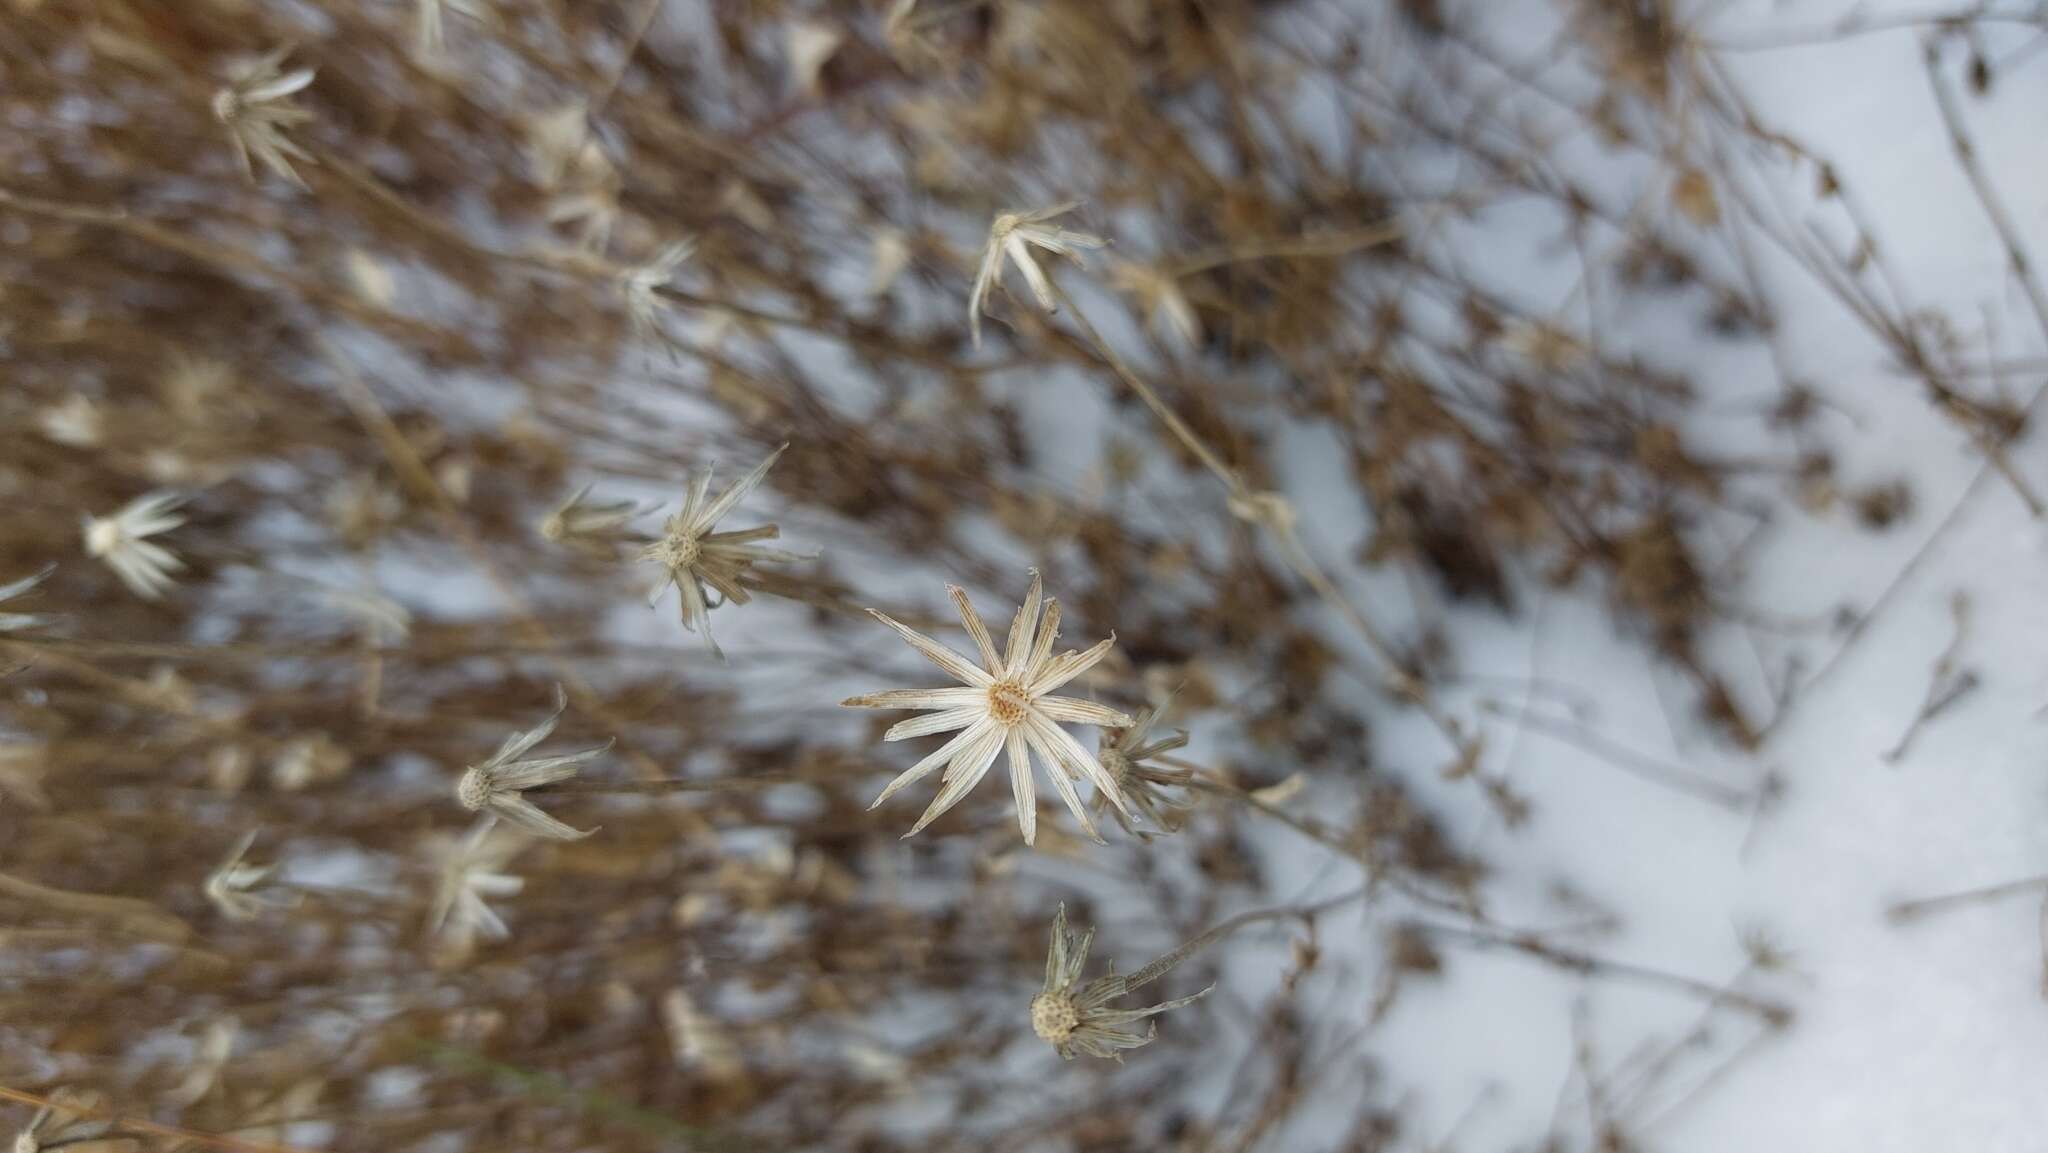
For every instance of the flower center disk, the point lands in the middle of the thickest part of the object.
(1117, 764)
(473, 791)
(1055, 1016)
(681, 551)
(1007, 702)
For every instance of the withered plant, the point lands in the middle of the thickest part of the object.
(367, 368)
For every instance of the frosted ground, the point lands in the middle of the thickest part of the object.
(1928, 1036)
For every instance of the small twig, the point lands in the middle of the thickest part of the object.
(137, 1125)
(1861, 22)
(1334, 244)
(1208, 781)
(2000, 217)
(551, 1088)
(1635, 764)
(227, 259)
(1306, 913)
(1711, 1078)
(1771, 1012)
(1947, 684)
(1205, 781)
(1260, 510)
(673, 785)
(1987, 193)
(1174, 424)
(1892, 589)
(603, 95)
(2042, 920)
(143, 917)
(1904, 911)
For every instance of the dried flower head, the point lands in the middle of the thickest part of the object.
(1126, 754)
(640, 285)
(1006, 706)
(593, 527)
(75, 422)
(256, 110)
(309, 760)
(1074, 1019)
(243, 892)
(469, 876)
(41, 1136)
(497, 785)
(16, 622)
(559, 145)
(692, 556)
(1013, 235)
(121, 541)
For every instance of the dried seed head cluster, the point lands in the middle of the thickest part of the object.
(1011, 238)
(244, 892)
(641, 284)
(48, 1131)
(498, 786)
(470, 878)
(697, 560)
(1127, 756)
(1006, 706)
(596, 528)
(121, 541)
(257, 111)
(1076, 1018)
(75, 421)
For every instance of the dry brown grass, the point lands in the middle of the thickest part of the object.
(380, 385)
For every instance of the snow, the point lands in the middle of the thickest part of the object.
(1907, 1037)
